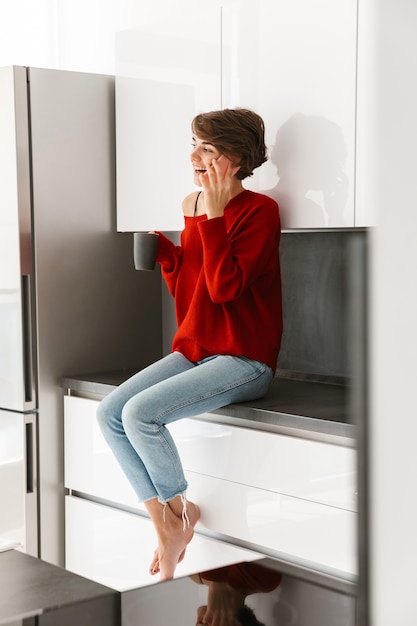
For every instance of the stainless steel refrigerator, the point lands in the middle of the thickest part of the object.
(70, 299)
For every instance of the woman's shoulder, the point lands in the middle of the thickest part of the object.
(261, 199)
(188, 204)
(255, 204)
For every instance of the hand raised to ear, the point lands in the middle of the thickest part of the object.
(219, 185)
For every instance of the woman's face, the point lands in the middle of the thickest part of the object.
(202, 155)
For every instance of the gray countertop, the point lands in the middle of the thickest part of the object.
(31, 587)
(303, 408)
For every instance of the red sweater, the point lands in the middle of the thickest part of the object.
(225, 278)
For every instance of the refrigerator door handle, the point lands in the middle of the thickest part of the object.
(31, 475)
(30, 457)
(27, 339)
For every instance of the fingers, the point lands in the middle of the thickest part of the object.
(219, 171)
(211, 175)
(222, 167)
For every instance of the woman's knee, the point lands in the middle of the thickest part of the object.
(107, 413)
(137, 414)
(129, 416)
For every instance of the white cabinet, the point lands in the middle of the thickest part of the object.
(295, 64)
(115, 547)
(278, 495)
(90, 466)
(309, 470)
(166, 73)
(367, 108)
(286, 496)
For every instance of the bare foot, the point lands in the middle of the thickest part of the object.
(154, 568)
(173, 537)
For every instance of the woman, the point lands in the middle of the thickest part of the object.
(225, 279)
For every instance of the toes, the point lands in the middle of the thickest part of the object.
(154, 567)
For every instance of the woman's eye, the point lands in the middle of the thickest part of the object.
(205, 149)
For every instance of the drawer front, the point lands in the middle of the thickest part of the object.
(115, 547)
(307, 533)
(90, 465)
(310, 470)
(235, 476)
(313, 470)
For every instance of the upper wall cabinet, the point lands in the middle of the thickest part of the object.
(294, 62)
(165, 74)
(367, 106)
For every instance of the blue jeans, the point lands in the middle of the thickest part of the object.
(134, 416)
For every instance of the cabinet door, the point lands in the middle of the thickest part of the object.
(90, 466)
(115, 547)
(165, 73)
(310, 470)
(294, 63)
(367, 108)
(284, 495)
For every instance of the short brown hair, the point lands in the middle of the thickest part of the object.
(239, 134)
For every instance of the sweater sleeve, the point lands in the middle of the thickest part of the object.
(233, 261)
(169, 256)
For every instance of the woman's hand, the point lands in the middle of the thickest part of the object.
(219, 185)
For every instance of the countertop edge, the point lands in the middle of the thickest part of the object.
(248, 415)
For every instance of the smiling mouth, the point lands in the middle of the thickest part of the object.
(199, 170)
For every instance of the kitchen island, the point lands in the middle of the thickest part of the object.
(281, 472)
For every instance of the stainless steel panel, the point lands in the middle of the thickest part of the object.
(17, 353)
(12, 477)
(31, 483)
(93, 310)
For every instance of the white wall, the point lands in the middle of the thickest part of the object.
(393, 317)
